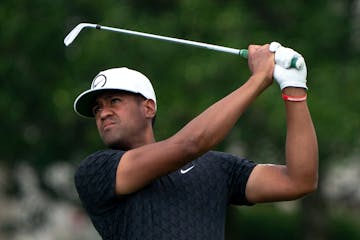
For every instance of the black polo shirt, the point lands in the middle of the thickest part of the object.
(189, 203)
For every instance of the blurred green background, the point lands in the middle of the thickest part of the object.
(43, 140)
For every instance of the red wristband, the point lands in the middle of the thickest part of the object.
(293, 99)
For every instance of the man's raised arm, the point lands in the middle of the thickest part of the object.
(300, 174)
(140, 166)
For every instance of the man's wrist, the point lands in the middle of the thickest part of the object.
(294, 91)
(261, 79)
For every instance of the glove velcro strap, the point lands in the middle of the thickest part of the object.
(293, 99)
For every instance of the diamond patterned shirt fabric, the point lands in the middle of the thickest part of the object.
(189, 203)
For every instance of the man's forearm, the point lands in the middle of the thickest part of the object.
(301, 142)
(210, 127)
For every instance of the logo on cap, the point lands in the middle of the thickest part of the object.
(99, 81)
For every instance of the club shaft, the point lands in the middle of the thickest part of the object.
(295, 62)
(176, 40)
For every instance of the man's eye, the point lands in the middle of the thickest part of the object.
(115, 100)
(95, 110)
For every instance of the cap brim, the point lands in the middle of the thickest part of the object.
(84, 102)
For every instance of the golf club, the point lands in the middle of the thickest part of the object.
(242, 52)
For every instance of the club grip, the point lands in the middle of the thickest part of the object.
(294, 61)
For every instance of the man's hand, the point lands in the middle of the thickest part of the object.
(261, 63)
(285, 75)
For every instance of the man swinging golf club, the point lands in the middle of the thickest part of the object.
(178, 188)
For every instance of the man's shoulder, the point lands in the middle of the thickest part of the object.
(105, 153)
(101, 155)
(100, 159)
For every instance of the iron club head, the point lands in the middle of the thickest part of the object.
(75, 32)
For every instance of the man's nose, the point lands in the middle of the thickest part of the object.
(105, 112)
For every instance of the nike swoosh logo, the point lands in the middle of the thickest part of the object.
(183, 171)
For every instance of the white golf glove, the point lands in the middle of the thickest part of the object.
(284, 74)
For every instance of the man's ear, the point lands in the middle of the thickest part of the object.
(150, 109)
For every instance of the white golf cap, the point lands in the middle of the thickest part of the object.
(123, 79)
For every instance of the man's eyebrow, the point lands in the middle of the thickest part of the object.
(103, 96)
(106, 96)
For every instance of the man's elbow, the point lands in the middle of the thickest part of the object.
(307, 188)
(192, 146)
(311, 187)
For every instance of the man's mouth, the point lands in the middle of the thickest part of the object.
(107, 125)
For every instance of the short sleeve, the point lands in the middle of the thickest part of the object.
(95, 180)
(239, 170)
